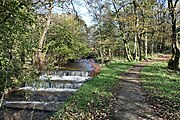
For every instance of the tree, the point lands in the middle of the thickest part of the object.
(174, 61)
(67, 39)
(98, 10)
(16, 17)
(122, 25)
(49, 4)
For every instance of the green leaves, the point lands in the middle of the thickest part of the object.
(16, 17)
(66, 38)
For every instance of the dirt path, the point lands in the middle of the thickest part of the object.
(131, 102)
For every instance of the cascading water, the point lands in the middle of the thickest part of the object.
(47, 94)
(60, 80)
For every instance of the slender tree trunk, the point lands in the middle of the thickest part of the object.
(146, 47)
(140, 48)
(4, 92)
(127, 52)
(162, 44)
(112, 53)
(121, 53)
(163, 39)
(101, 54)
(23, 55)
(135, 47)
(109, 54)
(136, 33)
(152, 49)
(40, 54)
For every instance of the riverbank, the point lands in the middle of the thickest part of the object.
(95, 99)
(143, 91)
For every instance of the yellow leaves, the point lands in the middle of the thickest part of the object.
(14, 80)
(125, 19)
(120, 19)
(107, 42)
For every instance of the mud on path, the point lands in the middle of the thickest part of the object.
(131, 102)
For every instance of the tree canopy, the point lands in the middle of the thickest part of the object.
(33, 37)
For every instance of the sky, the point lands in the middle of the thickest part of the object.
(82, 12)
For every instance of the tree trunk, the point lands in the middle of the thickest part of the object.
(174, 61)
(136, 33)
(145, 46)
(40, 55)
(162, 44)
(112, 53)
(175, 50)
(135, 47)
(176, 45)
(101, 55)
(127, 52)
(22, 57)
(140, 48)
(162, 39)
(109, 54)
(152, 49)
(126, 48)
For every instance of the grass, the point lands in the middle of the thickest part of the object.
(94, 99)
(163, 88)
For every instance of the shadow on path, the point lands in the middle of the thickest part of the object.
(131, 103)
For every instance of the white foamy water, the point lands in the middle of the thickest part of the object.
(27, 102)
(47, 89)
(59, 81)
(76, 78)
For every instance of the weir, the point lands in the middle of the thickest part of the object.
(59, 80)
(44, 96)
(52, 86)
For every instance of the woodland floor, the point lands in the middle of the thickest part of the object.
(131, 103)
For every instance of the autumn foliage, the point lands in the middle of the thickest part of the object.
(95, 68)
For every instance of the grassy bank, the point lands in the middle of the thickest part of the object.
(163, 88)
(94, 99)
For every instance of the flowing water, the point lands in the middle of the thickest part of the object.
(40, 99)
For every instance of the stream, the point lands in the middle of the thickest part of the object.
(40, 99)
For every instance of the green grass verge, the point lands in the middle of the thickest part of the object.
(94, 99)
(163, 88)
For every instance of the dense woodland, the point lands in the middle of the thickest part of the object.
(33, 37)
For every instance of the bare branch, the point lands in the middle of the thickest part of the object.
(36, 2)
(177, 12)
(117, 10)
(175, 4)
(3, 2)
(124, 6)
(76, 13)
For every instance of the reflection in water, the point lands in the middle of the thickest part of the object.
(79, 64)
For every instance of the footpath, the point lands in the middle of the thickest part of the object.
(131, 102)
